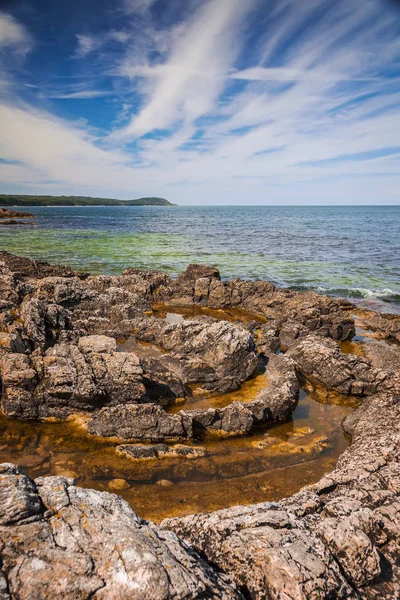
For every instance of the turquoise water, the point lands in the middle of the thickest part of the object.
(351, 252)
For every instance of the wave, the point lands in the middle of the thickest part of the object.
(385, 294)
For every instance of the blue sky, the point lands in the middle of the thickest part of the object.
(202, 101)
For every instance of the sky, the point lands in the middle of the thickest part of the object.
(202, 101)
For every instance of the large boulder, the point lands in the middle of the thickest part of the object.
(218, 354)
(321, 360)
(70, 378)
(61, 541)
(135, 422)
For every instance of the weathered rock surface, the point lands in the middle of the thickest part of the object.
(150, 422)
(337, 539)
(61, 541)
(321, 360)
(161, 451)
(387, 326)
(383, 356)
(44, 322)
(139, 422)
(218, 354)
(69, 378)
(109, 311)
(162, 385)
(309, 310)
(267, 338)
(27, 267)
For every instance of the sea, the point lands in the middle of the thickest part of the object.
(346, 251)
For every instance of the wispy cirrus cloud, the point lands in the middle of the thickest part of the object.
(87, 44)
(83, 95)
(209, 44)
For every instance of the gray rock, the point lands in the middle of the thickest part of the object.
(62, 541)
(138, 422)
(43, 322)
(65, 380)
(220, 355)
(99, 344)
(162, 385)
(150, 422)
(161, 451)
(321, 360)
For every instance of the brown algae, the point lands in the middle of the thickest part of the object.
(267, 465)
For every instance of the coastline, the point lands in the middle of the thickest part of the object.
(332, 250)
(344, 524)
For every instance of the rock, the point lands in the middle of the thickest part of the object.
(336, 539)
(19, 381)
(276, 402)
(100, 344)
(194, 272)
(133, 422)
(10, 288)
(266, 338)
(307, 309)
(18, 498)
(234, 419)
(11, 343)
(161, 451)
(220, 355)
(150, 422)
(110, 311)
(162, 385)
(59, 540)
(352, 548)
(118, 485)
(65, 380)
(290, 332)
(7, 212)
(68, 292)
(387, 326)
(321, 360)
(34, 268)
(43, 322)
(383, 356)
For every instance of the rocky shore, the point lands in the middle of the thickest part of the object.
(62, 356)
(14, 217)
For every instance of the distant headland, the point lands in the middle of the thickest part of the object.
(21, 200)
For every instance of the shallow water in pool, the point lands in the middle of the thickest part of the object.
(267, 465)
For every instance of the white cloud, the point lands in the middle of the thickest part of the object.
(83, 95)
(92, 43)
(86, 44)
(13, 35)
(210, 45)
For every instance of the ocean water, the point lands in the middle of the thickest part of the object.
(352, 252)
